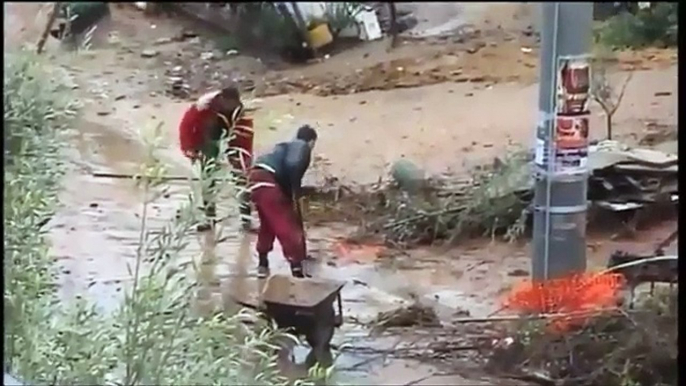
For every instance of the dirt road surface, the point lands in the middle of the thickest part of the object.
(480, 101)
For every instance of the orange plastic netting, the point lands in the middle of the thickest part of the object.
(576, 297)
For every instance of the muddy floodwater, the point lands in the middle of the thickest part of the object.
(96, 232)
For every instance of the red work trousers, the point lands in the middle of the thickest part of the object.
(277, 217)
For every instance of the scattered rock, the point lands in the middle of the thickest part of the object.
(188, 34)
(518, 273)
(473, 50)
(662, 93)
(161, 41)
(119, 97)
(94, 205)
(149, 53)
(469, 94)
(103, 113)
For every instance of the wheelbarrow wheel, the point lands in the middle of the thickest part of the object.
(319, 340)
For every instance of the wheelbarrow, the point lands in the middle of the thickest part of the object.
(303, 307)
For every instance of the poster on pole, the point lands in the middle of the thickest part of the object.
(573, 85)
(571, 127)
(571, 144)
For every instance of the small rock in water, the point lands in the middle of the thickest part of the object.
(408, 175)
(163, 41)
(518, 273)
(149, 53)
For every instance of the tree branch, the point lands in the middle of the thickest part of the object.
(621, 93)
(51, 20)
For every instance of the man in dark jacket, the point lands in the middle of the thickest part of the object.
(275, 183)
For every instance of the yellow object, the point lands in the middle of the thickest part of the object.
(319, 36)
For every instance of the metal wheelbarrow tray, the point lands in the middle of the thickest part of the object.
(304, 307)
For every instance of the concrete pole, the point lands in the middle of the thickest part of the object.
(559, 234)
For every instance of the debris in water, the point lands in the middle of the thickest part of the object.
(414, 315)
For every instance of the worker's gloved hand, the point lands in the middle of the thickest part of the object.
(193, 155)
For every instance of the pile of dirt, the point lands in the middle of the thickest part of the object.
(636, 347)
(476, 60)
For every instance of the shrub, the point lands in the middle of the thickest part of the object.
(653, 26)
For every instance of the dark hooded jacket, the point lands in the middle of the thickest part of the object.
(289, 162)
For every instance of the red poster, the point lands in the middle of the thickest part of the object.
(573, 86)
(571, 132)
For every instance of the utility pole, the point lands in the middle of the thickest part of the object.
(559, 234)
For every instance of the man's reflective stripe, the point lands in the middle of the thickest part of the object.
(243, 131)
(266, 167)
(261, 185)
(226, 121)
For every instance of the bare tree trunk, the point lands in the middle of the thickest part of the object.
(394, 25)
(51, 20)
(608, 122)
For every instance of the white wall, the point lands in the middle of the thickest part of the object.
(311, 10)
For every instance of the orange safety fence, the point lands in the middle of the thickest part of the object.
(575, 297)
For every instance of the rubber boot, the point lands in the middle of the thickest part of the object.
(263, 266)
(298, 271)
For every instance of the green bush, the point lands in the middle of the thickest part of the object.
(36, 111)
(153, 336)
(654, 26)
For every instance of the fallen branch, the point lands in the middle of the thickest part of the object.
(132, 176)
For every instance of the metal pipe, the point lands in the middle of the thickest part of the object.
(560, 198)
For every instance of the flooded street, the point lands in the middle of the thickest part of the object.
(447, 127)
(96, 233)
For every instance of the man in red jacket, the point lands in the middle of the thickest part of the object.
(203, 125)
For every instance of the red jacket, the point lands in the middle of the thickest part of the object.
(240, 146)
(192, 135)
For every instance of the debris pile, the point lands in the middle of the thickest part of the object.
(612, 349)
(625, 179)
(496, 199)
(415, 315)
